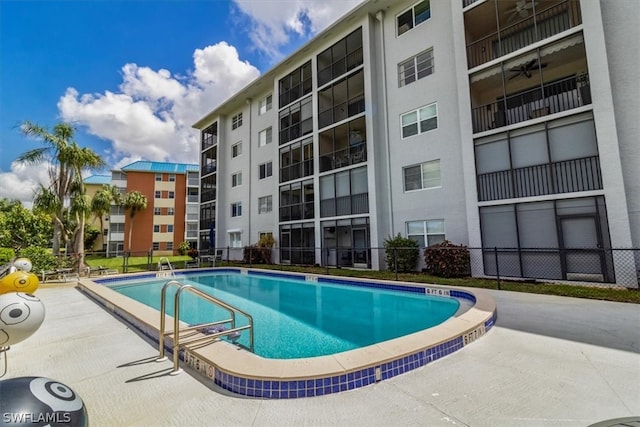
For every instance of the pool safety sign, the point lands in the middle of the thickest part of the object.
(199, 365)
(471, 336)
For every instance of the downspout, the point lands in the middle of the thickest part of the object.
(250, 149)
(380, 18)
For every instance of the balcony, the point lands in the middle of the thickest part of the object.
(550, 98)
(346, 157)
(208, 196)
(192, 198)
(346, 205)
(489, 38)
(209, 168)
(552, 178)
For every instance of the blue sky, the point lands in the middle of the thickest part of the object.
(132, 76)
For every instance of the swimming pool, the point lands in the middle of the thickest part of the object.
(245, 373)
(296, 318)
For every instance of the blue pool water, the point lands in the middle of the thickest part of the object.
(295, 318)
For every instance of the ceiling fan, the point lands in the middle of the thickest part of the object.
(526, 69)
(521, 9)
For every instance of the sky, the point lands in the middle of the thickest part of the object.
(133, 76)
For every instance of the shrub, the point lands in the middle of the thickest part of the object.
(406, 250)
(260, 253)
(6, 255)
(446, 259)
(193, 253)
(183, 248)
(41, 258)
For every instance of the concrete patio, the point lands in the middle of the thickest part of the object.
(549, 361)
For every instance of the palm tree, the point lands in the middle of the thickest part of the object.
(66, 161)
(101, 203)
(133, 202)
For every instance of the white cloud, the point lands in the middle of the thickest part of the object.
(274, 21)
(21, 182)
(151, 115)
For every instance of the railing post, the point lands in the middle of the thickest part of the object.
(495, 251)
(395, 261)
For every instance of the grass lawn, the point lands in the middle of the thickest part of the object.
(138, 264)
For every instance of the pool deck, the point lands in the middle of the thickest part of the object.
(548, 361)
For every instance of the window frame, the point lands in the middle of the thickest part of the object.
(156, 228)
(236, 150)
(418, 120)
(171, 211)
(157, 194)
(172, 177)
(157, 211)
(236, 209)
(169, 228)
(425, 231)
(268, 202)
(422, 176)
(402, 73)
(235, 239)
(158, 177)
(268, 136)
(413, 24)
(265, 104)
(236, 121)
(265, 170)
(171, 195)
(236, 179)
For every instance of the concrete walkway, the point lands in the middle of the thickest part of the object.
(550, 361)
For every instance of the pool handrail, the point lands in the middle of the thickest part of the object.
(167, 263)
(176, 322)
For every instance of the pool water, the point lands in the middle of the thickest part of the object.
(298, 319)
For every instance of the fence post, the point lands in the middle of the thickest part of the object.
(149, 259)
(495, 251)
(395, 261)
(124, 262)
(250, 257)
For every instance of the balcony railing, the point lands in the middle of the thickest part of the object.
(346, 205)
(206, 223)
(208, 168)
(345, 157)
(561, 95)
(208, 196)
(297, 212)
(541, 25)
(466, 3)
(209, 141)
(192, 198)
(567, 176)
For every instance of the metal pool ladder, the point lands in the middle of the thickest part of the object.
(176, 322)
(163, 265)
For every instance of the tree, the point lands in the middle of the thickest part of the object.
(133, 203)
(66, 162)
(101, 202)
(401, 253)
(21, 227)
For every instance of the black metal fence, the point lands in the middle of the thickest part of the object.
(610, 267)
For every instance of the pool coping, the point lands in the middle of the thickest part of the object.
(242, 372)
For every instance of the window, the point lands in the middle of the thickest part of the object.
(265, 204)
(416, 15)
(236, 121)
(296, 201)
(169, 246)
(156, 228)
(158, 177)
(236, 209)
(235, 240)
(265, 137)
(264, 104)
(170, 211)
(157, 211)
(426, 233)
(420, 177)
(172, 195)
(344, 193)
(172, 177)
(340, 58)
(418, 121)
(296, 160)
(265, 234)
(116, 227)
(343, 98)
(266, 170)
(296, 120)
(415, 68)
(170, 228)
(236, 149)
(156, 246)
(236, 179)
(295, 85)
(157, 194)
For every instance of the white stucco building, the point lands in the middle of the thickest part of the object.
(489, 123)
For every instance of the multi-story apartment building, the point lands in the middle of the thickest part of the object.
(492, 123)
(93, 184)
(171, 216)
